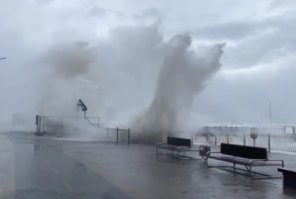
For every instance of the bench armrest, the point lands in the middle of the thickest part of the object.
(211, 152)
(282, 161)
(257, 160)
(267, 160)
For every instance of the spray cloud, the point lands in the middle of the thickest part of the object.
(183, 75)
(121, 74)
(66, 78)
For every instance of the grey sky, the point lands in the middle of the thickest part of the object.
(258, 61)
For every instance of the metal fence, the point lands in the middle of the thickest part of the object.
(56, 124)
(119, 135)
(280, 142)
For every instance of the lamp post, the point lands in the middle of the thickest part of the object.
(269, 107)
(83, 106)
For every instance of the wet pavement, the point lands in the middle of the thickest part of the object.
(36, 169)
(51, 168)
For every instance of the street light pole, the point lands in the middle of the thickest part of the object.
(270, 127)
(269, 103)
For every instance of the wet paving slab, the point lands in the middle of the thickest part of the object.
(139, 171)
(42, 171)
(52, 168)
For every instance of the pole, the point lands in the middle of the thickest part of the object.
(269, 146)
(270, 126)
(129, 134)
(270, 118)
(117, 135)
(37, 124)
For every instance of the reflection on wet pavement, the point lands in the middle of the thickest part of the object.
(46, 168)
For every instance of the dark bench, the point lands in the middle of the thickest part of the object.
(247, 156)
(177, 147)
(289, 180)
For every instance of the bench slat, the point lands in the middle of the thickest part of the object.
(179, 141)
(244, 151)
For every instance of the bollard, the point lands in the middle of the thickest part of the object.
(37, 124)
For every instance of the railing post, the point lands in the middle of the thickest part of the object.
(107, 132)
(117, 135)
(128, 136)
(216, 140)
(227, 138)
(244, 140)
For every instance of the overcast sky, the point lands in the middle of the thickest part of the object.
(258, 61)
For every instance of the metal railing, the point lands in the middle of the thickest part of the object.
(55, 125)
(280, 142)
(119, 135)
